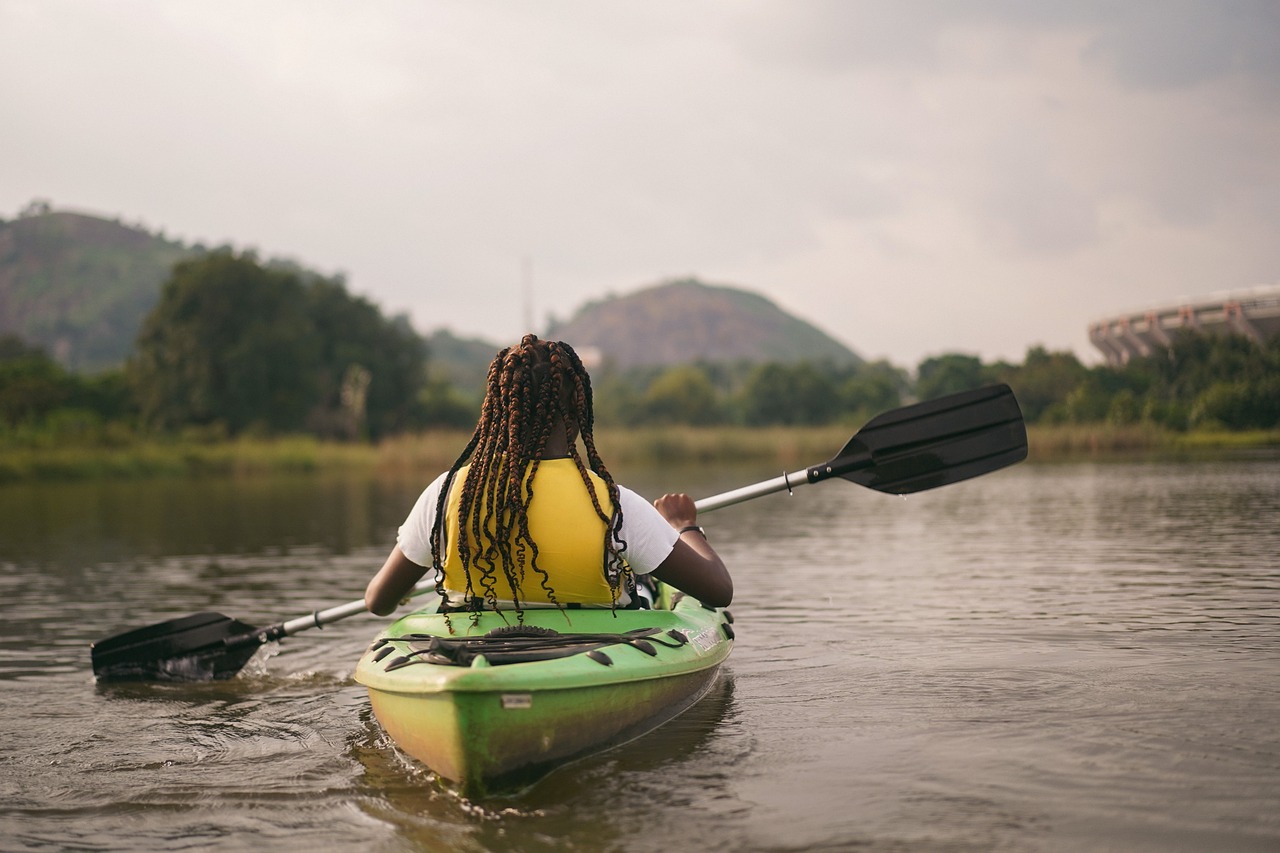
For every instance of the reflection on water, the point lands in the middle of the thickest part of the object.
(1053, 657)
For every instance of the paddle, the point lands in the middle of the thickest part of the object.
(906, 450)
(201, 646)
(916, 448)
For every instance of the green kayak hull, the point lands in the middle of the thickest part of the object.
(492, 714)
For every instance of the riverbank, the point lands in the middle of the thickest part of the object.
(790, 448)
(1104, 441)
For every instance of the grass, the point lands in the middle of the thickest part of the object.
(240, 457)
(426, 454)
(1075, 441)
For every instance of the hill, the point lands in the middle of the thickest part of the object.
(687, 321)
(462, 362)
(80, 285)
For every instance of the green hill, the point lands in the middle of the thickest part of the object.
(462, 362)
(79, 285)
(687, 321)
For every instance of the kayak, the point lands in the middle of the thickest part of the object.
(491, 703)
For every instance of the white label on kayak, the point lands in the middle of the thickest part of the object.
(517, 701)
(705, 639)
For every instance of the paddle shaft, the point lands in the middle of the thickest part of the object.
(320, 618)
(746, 493)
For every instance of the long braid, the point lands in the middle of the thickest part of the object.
(528, 388)
(614, 568)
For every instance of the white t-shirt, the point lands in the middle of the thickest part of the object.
(649, 538)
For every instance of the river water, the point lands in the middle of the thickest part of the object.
(1054, 657)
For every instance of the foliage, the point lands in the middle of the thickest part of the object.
(680, 395)
(442, 406)
(229, 341)
(1040, 381)
(789, 394)
(873, 388)
(39, 399)
(768, 394)
(1215, 382)
(31, 383)
(948, 374)
(259, 350)
(1202, 381)
(353, 336)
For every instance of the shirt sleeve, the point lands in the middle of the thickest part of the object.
(414, 537)
(649, 538)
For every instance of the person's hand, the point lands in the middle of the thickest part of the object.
(678, 509)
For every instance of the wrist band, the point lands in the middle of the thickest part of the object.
(684, 530)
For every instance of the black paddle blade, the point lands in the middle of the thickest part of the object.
(199, 647)
(934, 443)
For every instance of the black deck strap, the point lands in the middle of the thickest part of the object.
(519, 646)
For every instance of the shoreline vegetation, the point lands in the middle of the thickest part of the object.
(428, 453)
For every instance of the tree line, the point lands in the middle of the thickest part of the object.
(236, 347)
(232, 347)
(1201, 382)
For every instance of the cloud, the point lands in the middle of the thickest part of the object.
(1180, 44)
(898, 172)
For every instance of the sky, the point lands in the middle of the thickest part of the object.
(913, 177)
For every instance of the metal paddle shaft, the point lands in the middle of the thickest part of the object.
(915, 448)
(907, 450)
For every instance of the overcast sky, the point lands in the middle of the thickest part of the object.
(912, 177)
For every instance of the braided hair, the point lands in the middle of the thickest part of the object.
(531, 388)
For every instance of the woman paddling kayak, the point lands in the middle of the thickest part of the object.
(521, 519)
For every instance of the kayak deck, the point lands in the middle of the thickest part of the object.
(494, 705)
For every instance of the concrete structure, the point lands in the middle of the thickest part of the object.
(1254, 313)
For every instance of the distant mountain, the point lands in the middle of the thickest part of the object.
(79, 285)
(687, 320)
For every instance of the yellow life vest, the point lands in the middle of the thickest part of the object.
(568, 532)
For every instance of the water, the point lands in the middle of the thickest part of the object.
(1074, 657)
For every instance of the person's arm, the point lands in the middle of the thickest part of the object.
(392, 583)
(693, 566)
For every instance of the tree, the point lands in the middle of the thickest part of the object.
(356, 340)
(1044, 381)
(250, 346)
(1239, 405)
(949, 374)
(31, 383)
(229, 341)
(789, 394)
(874, 388)
(682, 394)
